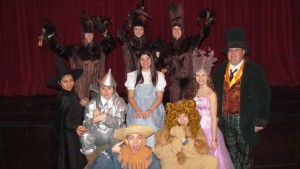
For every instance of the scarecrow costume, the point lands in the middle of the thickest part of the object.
(143, 159)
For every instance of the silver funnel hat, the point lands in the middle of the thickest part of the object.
(108, 79)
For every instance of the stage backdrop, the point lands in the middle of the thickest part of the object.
(272, 31)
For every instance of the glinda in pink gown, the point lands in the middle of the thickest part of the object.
(203, 107)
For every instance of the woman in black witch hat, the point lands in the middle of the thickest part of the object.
(69, 116)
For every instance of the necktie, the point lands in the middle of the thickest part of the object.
(231, 74)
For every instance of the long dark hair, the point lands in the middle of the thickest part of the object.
(139, 77)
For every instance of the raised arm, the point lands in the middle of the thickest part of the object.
(108, 43)
(209, 16)
(49, 37)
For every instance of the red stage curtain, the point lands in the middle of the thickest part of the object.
(272, 32)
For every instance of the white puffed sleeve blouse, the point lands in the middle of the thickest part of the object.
(131, 79)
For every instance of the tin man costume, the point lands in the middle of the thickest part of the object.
(101, 133)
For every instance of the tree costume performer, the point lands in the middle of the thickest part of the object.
(177, 58)
(133, 45)
(88, 55)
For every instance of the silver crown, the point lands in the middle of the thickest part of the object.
(203, 59)
(108, 79)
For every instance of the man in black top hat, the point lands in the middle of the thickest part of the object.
(243, 99)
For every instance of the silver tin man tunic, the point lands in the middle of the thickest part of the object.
(102, 132)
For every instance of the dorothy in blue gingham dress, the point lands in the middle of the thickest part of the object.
(145, 95)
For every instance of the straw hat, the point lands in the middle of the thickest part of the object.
(121, 133)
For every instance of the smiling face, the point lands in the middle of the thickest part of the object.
(135, 142)
(176, 32)
(183, 120)
(138, 31)
(67, 82)
(145, 62)
(202, 77)
(106, 91)
(235, 55)
(88, 37)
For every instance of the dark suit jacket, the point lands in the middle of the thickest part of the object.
(255, 99)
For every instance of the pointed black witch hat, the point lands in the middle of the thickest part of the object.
(62, 70)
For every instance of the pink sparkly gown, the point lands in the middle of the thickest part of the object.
(203, 107)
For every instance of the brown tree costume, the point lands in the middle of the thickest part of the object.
(193, 152)
(177, 58)
(132, 45)
(88, 56)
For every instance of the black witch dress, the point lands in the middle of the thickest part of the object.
(66, 145)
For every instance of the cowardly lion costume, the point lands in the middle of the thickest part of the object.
(175, 153)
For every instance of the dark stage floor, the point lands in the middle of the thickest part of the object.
(26, 122)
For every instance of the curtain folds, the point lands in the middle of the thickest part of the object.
(272, 32)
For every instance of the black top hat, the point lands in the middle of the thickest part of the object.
(62, 70)
(235, 39)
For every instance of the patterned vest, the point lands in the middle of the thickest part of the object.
(232, 92)
(231, 98)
